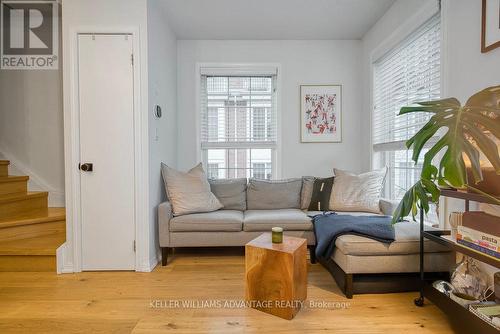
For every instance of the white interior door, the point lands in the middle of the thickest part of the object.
(106, 101)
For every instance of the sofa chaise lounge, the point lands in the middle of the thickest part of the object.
(357, 262)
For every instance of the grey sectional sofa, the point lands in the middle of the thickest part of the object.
(250, 210)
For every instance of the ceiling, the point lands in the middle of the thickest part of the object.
(273, 19)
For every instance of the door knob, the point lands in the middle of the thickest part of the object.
(86, 167)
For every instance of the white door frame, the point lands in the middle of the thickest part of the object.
(71, 257)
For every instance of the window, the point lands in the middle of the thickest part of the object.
(238, 125)
(261, 170)
(408, 73)
(261, 123)
(213, 170)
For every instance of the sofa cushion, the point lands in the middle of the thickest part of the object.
(217, 221)
(357, 192)
(354, 213)
(406, 242)
(232, 193)
(307, 191)
(275, 194)
(288, 219)
(322, 191)
(189, 192)
(388, 206)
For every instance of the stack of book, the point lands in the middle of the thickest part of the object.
(481, 232)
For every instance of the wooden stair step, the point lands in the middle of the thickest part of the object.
(30, 204)
(21, 227)
(13, 185)
(4, 167)
(53, 214)
(46, 245)
(32, 254)
(30, 232)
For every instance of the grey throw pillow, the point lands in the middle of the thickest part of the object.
(361, 192)
(232, 193)
(307, 191)
(189, 192)
(276, 194)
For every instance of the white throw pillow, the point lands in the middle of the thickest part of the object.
(361, 192)
(189, 192)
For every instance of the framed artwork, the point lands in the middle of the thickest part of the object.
(490, 25)
(321, 113)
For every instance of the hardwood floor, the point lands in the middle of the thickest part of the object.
(128, 302)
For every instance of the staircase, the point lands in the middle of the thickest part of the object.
(30, 231)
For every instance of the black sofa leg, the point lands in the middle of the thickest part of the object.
(348, 286)
(164, 255)
(312, 254)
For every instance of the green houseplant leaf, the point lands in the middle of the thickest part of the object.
(468, 131)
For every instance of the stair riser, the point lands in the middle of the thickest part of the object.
(32, 207)
(27, 263)
(14, 187)
(4, 170)
(32, 231)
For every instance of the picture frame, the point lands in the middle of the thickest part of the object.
(490, 25)
(321, 113)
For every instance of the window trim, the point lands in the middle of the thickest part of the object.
(243, 69)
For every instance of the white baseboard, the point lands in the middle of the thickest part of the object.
(35, 183)
(63, 265)
(56, 199)
(67, 270)
(148, 267)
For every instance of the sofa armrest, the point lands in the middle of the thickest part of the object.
(164, 216)
(388, 206)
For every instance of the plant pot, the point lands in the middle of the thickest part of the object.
(490, 183)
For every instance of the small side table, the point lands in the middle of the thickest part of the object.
(276, 275)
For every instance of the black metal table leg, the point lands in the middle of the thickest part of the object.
(420, 300)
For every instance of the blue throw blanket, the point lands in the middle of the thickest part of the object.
(329, 226)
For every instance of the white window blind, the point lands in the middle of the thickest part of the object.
(408, 73)
(238, 125)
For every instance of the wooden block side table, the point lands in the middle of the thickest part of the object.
(276, 275)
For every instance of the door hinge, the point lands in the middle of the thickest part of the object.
(132, 59)
(134, 246)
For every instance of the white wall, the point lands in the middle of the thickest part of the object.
(31, 128)
(162, 76)
(467, 70)
(302, 62)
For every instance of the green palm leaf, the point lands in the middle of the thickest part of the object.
(468, 130)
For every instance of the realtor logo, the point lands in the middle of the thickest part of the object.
(29, 35)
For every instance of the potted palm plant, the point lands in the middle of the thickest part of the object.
(464, 133)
